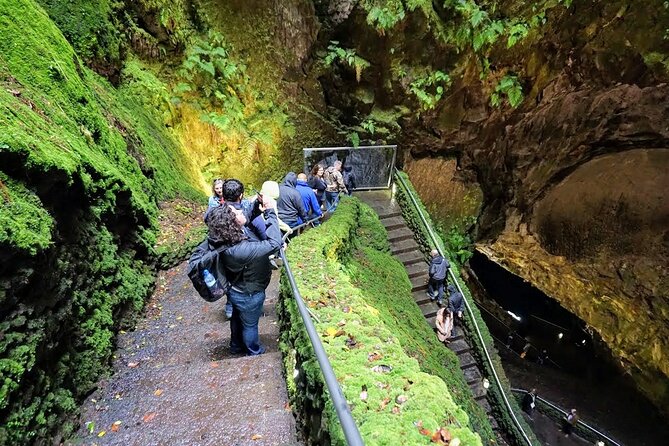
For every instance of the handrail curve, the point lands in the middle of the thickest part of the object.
(348, 425)
(565, 413)
(469, 310)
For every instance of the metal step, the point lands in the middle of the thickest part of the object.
(466, 360)
(429, 309)
(404, 246)
(387, 213)
(416, 270)
(420, 297)
(459, 346)
(399, 234)
(411, 258)
(472, 375)
(418, 284)
(393, 223)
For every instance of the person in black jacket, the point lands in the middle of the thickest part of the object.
(247, 268)
(456, 303)
(438, 270)
(529, 402)
(289, 204)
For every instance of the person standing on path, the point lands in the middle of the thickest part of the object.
(438, 270)
(247, 268)
(289, 204)
(335, 185)
(570, 422)
(456, 303)
(216, 198)
(317, 184)
(529, 402)
(311, 206)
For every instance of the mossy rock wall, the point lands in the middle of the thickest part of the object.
(376, 339)
(82, 168)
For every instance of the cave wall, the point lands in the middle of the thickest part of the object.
(572, 178)
(83, 166)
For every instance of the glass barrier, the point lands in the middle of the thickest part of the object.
(370, 166)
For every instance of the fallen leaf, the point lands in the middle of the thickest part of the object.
(102, 433)
(374, 356)
(339, 333)
(132, 365)
(341, 323)
(424, 431)
(179, 318)
(158, 392)
(384, 403)
(401, 399)
(395, 410)
(90, 425)
(115, 426)
(256, 437)
(149, 417)
(332, 294)
(215, 365)
(330, 331)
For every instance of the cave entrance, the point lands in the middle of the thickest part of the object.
(580, 371)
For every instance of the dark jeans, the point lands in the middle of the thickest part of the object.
(331, 201)
(435, 286)
(244, 322)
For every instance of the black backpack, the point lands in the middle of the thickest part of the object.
(207, 257)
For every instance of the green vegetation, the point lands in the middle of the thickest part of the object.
(376, 338)
(508, 87)
(429, 89)
(345, 56)
(82, 168)
(494, 392)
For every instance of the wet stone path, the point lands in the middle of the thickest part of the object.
(174, 381)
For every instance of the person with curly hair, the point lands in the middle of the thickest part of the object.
(247, 268)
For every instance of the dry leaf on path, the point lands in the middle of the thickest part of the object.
(115, 426)
(149, 417)
(102, 433)
(158, 392)
(132, 365)
(256, 437)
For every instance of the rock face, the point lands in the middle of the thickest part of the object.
(573, 181)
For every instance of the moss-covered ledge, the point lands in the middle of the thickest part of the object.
(399, 381)
(495, 396)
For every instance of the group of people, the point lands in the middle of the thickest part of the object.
(247, 234)
(568, 423)
(438, 273)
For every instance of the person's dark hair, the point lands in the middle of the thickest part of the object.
(232, 190)
(314, 170)
(223, 227)
(213, 186)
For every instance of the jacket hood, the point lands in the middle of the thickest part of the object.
(290, 180)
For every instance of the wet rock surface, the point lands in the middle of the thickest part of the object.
(174, 381)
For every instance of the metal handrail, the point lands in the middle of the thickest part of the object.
(565, 413)
(296, 229)
(348, 425)
(469, 309)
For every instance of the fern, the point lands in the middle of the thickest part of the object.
(509, 87)
(346, 56)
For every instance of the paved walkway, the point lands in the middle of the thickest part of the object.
(175, 383)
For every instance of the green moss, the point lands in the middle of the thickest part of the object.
(24, 223)
(340, 284)
(82, 168)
